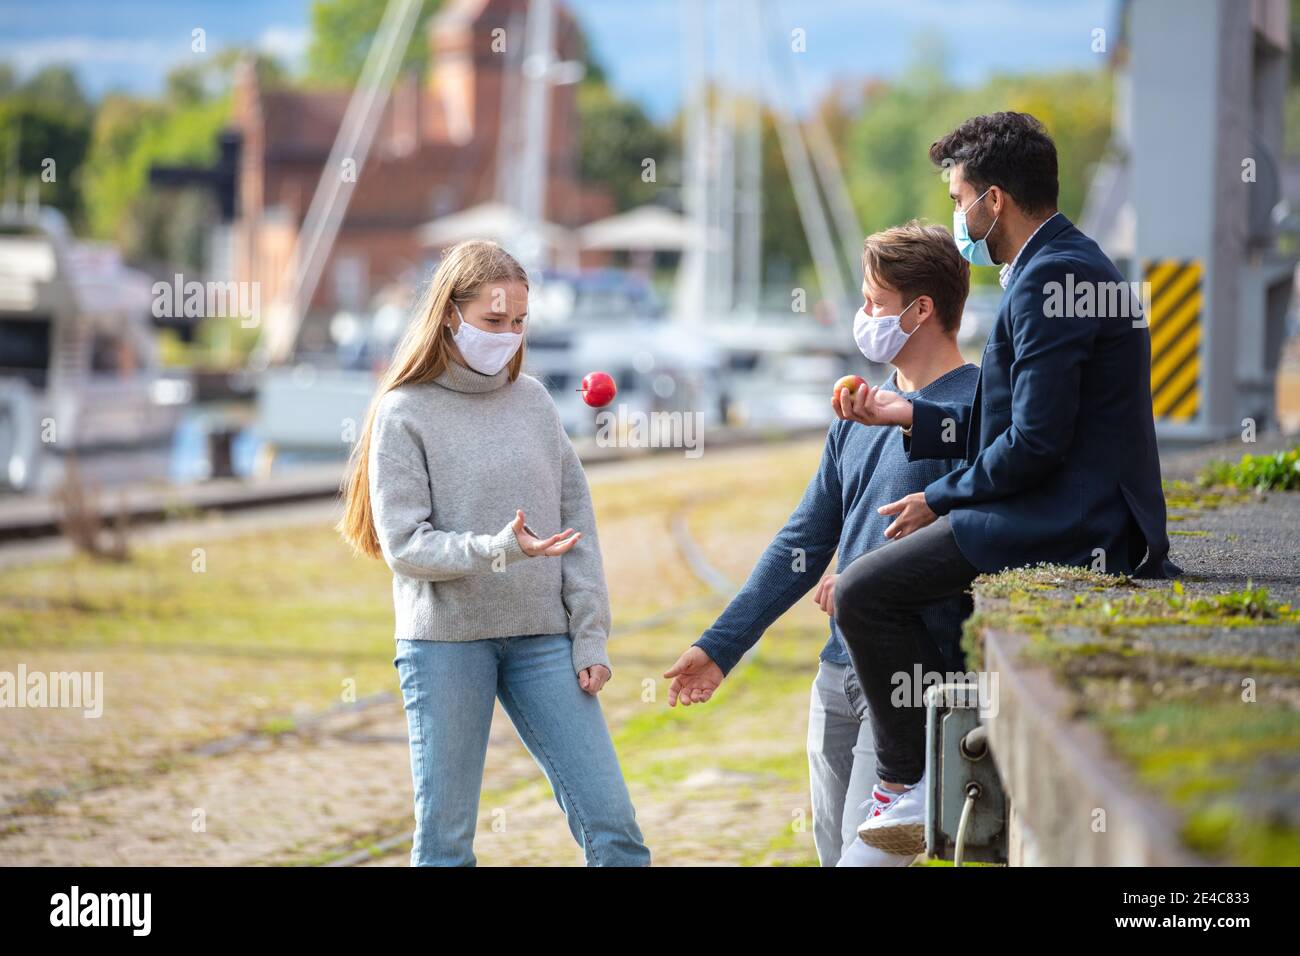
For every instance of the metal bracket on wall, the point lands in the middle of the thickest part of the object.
(965, 805)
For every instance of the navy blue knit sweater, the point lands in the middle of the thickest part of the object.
(862, 468)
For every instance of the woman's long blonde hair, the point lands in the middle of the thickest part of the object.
(421, 356)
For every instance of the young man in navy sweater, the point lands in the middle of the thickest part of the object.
(914, 290)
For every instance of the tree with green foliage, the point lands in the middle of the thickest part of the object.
(1291, 115)
(615, 139)
(131, 135)
(214, 75)
(44, 134)
(886, 153)
(883, 131)
(342, 32)
(45, 146)
(57, 86)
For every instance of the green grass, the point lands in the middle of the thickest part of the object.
(665, 744)
(293, 599)
(278, 593)
(1206, 756)
(1279, 471)
(1187, 496)
(1046, 577)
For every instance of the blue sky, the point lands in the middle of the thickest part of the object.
(130, 44)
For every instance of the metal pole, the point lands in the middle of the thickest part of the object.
(724, 125)
(832, 180)
(330, 201)
(749, 212)
(537, 113)
(689, 292)
(811, 214)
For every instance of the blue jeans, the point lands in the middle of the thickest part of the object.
(448, 689)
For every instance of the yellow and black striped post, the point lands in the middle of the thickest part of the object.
(1175, 319)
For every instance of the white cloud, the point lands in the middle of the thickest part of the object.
(30, 55)
(138, 63)
(284, 43)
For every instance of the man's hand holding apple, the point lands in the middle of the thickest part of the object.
(859, 402)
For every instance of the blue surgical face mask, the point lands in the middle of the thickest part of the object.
(974, 251)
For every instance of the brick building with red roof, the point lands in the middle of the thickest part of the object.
(435, 152)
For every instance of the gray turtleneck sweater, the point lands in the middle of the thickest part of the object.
(450, 462)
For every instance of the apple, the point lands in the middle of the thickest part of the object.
(851, 382)
(598, 389)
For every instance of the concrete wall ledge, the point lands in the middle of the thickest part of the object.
(1072, 803)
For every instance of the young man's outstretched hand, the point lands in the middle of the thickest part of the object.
(695, 678)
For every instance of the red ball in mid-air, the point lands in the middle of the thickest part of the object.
(598, 389)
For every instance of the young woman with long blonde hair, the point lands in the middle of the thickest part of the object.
(459, 449)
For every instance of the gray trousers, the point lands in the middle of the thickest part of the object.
(841, 760)
(879, 602)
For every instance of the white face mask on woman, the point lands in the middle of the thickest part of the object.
(486, 352)
(881, 337)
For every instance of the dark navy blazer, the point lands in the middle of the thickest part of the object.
(1060, 442)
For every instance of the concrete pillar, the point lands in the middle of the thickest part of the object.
(1205, 127)
(1188, 130)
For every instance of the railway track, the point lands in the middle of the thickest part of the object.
(37, 518)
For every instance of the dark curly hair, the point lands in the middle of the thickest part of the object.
(1009, 150)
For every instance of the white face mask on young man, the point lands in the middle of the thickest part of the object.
(881, 337)
(486, 352)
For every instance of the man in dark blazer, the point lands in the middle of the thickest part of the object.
(1059, 444)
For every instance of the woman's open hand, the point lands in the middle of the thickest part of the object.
(534, 547)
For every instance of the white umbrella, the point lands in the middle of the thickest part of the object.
(645, 228)
(489, 220)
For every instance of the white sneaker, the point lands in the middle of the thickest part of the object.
(859, 854)
(896, 824)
